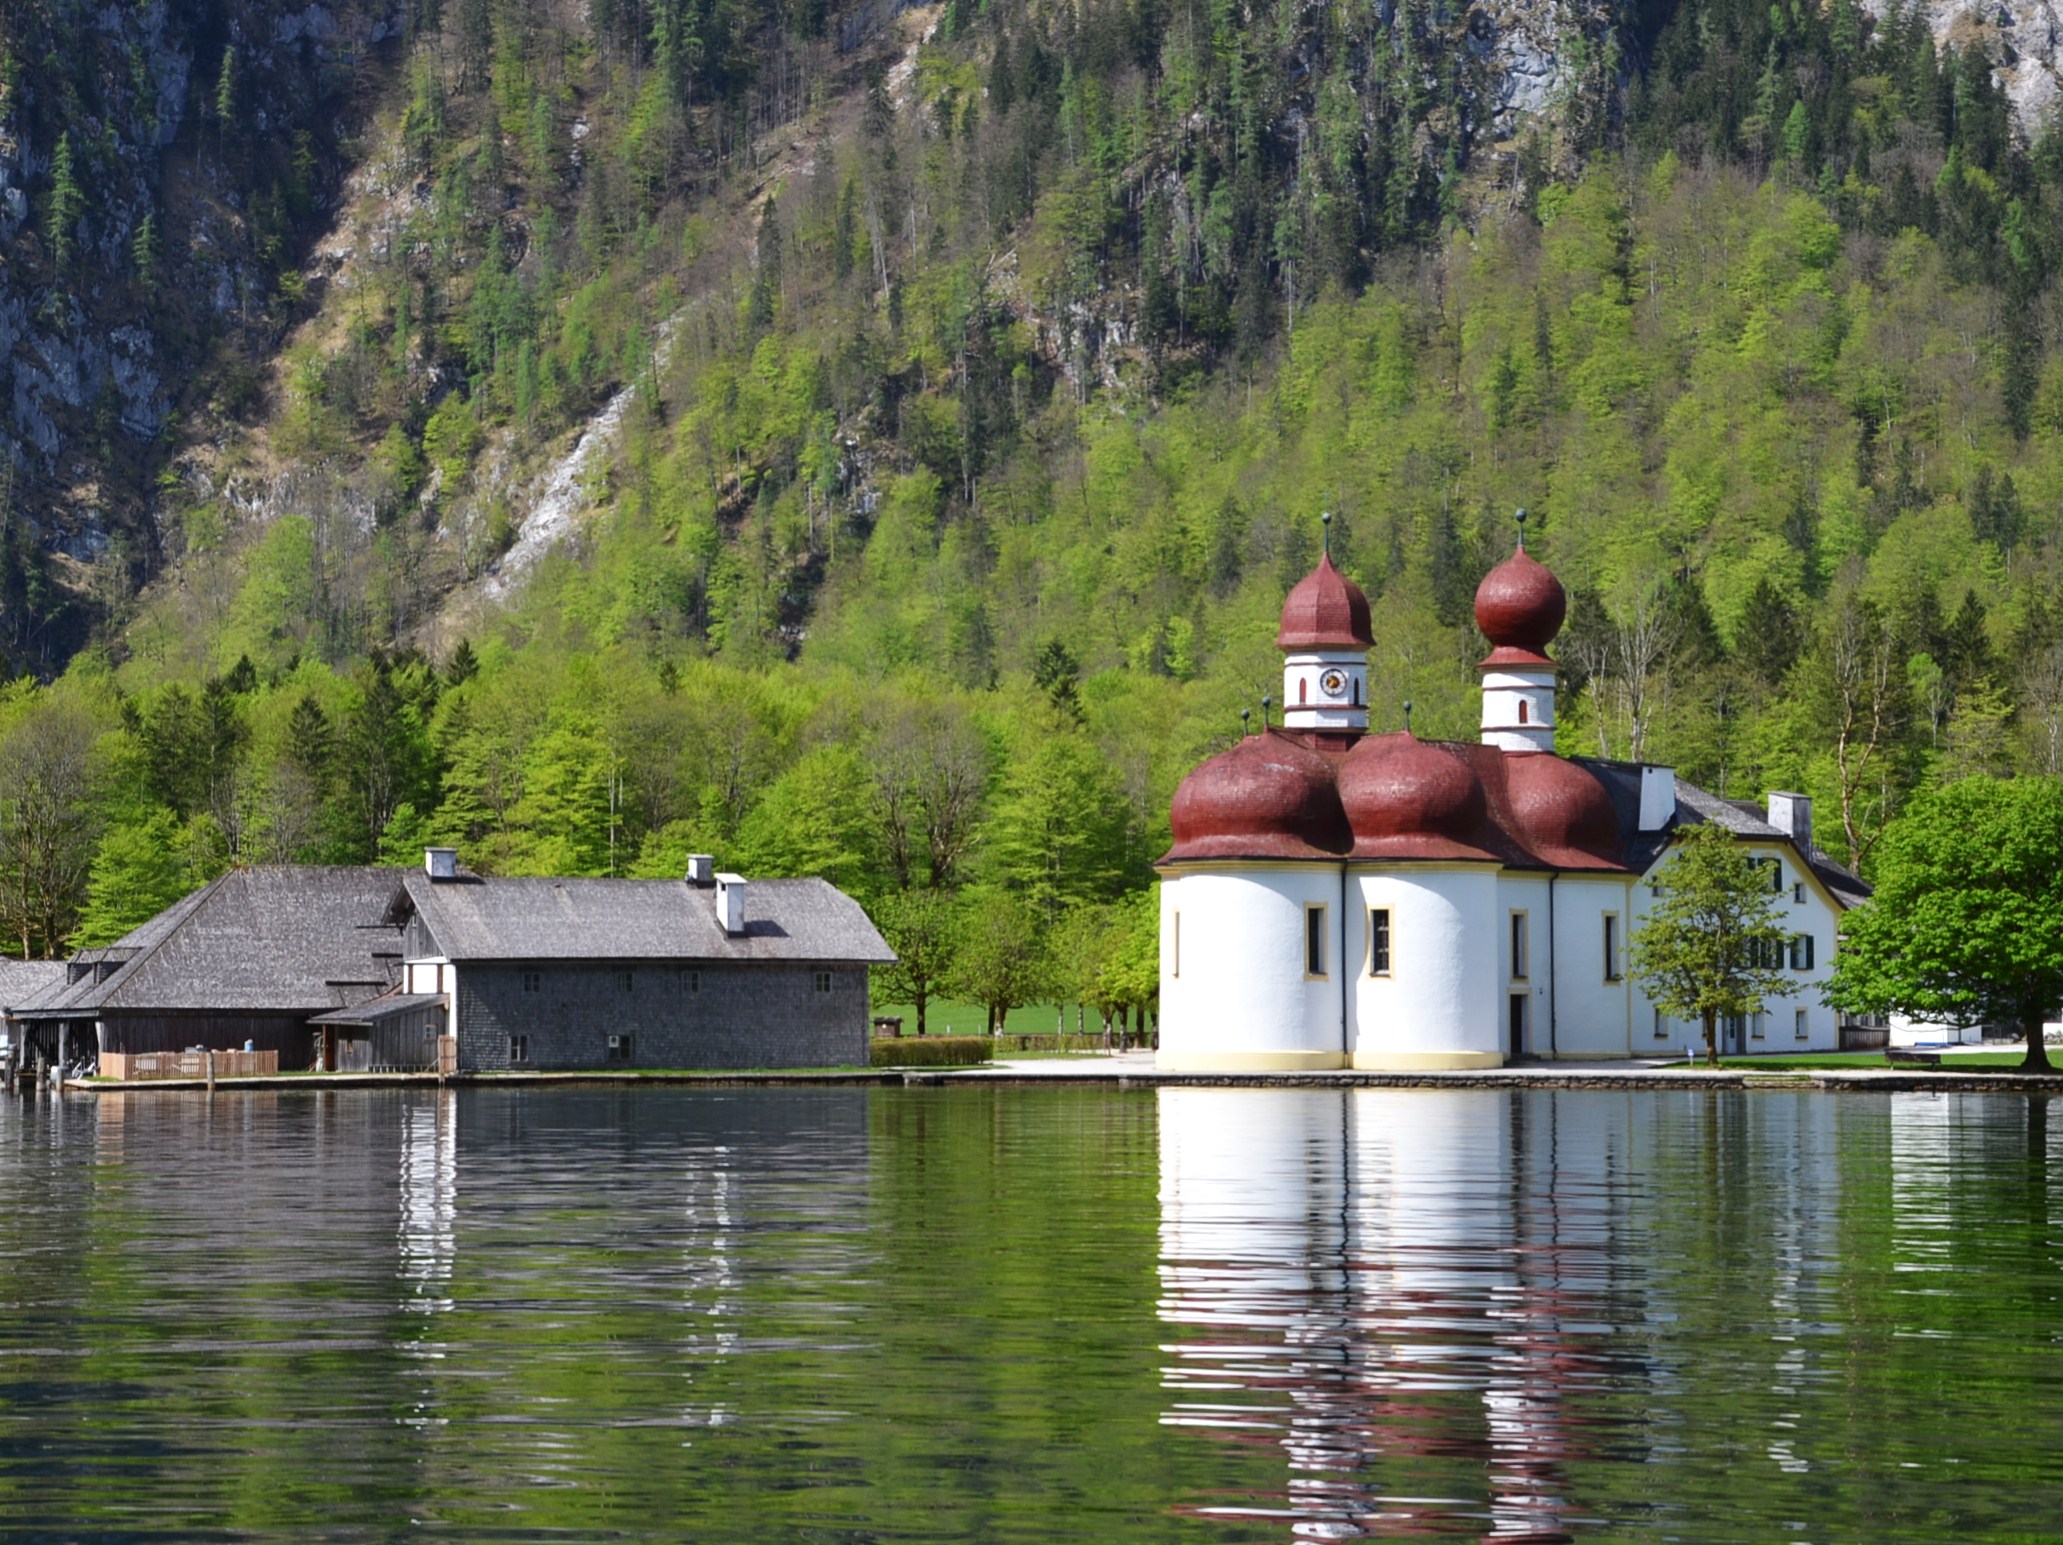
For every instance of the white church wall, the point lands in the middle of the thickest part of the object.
(1532, 978)
(1235, 995)
(1593, 996)
(1439, 1006)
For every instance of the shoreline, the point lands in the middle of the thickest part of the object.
(1136, 1071)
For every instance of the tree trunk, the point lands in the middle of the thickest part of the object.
(1711, 1039)
(2037, 1053)
(922, 998)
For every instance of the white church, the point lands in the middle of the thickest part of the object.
(1336, 899)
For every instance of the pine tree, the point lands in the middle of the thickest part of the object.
(66, 203)
(144, 254)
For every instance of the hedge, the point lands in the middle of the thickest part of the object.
(931, 1051)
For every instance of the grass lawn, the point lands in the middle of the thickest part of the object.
(972, 1019)
(1835, 1060)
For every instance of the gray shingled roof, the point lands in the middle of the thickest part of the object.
(539, 919)
(373, 1010)
(1695, 806)
(284, 938)
(24, 981)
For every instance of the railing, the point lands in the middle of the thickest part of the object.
(187, 1064)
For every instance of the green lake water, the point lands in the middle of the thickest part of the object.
(985, 1314)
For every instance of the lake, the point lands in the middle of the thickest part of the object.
(871, 1314)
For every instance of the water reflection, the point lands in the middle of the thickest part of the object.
(429, 1202)
(1415, 1297)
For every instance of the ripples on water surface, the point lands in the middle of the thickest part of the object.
(1030, 1314)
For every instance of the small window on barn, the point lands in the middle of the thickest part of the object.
(691, 981)
(533, 981)
(626, 981)
(519, 1048)
(823, 981)
(619, 1048)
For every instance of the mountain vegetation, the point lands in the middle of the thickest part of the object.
(973, 377)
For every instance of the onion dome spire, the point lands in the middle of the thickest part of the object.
(1325, 636)
(1519, 607)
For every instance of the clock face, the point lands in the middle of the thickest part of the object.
(1333, 683)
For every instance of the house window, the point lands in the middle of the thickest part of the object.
(1758, 1025)
(627, 981)
(1611, 946)
(1661, 1026)
(823, 981)
(1775, 866)
(519, 1049)
(1798, 894)
(1518, 946)
(1314, 941)
(691, 981)
(1801, 952)
(533, 981)
(619, 1048)
(1800, 1024)
(1378, 941)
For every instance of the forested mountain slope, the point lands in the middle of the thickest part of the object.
(960, 387)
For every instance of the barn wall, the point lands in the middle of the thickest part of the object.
(732, 1016)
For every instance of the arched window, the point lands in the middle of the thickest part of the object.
(1522, 710)
(1303, 689)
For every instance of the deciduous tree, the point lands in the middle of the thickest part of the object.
(1963, 929)
(1712, 943)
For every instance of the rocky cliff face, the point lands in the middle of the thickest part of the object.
(151, 212)
(2024, 39)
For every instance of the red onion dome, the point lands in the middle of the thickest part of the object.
(1520, 604)
(1397, 787)
(1270, 796)
(1560, 810)
(1326, 610)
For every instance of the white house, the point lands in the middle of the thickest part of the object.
(1339, 899)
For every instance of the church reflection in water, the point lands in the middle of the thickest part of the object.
(1405, 1294)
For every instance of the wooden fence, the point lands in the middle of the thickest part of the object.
(187, 1064)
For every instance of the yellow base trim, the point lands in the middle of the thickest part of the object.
(1249, 1061)
(1423, 1061)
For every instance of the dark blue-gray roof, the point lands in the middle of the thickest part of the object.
(544, 919)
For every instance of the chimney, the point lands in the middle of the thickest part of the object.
(701, 869)
(1657, 798)
(730, 902)
(1792, 813)
(440, 863)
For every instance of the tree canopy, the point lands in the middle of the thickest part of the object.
(1711, 945)
(1963, 928)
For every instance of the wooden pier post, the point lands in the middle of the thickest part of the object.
(211, 1072)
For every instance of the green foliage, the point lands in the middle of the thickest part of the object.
(921, 928)
(65, 203)
(1711, 944)
(937, 1051)
(138, 870)
(1962, 928)
(999, 958)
